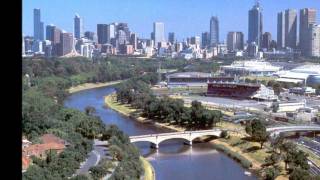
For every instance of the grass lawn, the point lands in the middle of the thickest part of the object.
(122, 108)
(148, 169)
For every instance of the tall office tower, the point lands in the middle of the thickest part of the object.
(111, 32)
(78, 27)
(235, 41)
(152, 36)
(255, 25)
(41, 31)
(307, 17)
(158, 30)
(124, 27)
(266, 40)
(214, 31)
(122, 37)
(171, 37)
(313, 48)
(134, 40)
(53, 34)
(205, 39)
(66, 43)
(291, 28)
(37, 25)
(195, 40)
(89, 35)
(281, 43)
(102, 32)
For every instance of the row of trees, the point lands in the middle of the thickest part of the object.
(165, 110)
(43, 111)
(296, 162)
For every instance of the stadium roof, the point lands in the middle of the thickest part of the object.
(189, 75)
(289, 80)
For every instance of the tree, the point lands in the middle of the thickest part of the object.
(97, 172)
(271, 173)
(224, 134)
(90, 110)
(276, 88)
(273, 159)
(299, 174)
(258, 131)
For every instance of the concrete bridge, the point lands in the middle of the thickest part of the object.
(275, 131)
(189, 136)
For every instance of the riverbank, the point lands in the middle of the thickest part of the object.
(132, 113)
(86, 86)
(149, 172)
(247, 150)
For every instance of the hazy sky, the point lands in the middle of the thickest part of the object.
(184, 17)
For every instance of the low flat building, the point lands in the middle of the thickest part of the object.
(251, 67)
(291, 106)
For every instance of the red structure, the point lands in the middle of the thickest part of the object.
(227, 89)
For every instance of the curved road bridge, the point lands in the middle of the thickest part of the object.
(189, 136)
(275, 131)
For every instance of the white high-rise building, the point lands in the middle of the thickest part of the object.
(314, 41)
(158, 30)
(37, 46)
(110, 32)
(78, 27)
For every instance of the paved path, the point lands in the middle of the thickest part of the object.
(93, 158)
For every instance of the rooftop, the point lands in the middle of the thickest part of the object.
(189, 75)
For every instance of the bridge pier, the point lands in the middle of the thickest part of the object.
(188, 143)
(155, 146)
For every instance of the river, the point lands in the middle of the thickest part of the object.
(173, 160)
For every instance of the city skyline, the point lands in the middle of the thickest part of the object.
(197, 23)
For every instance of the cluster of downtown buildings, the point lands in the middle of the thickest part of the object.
(117, 39)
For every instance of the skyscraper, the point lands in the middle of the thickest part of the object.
(171, 37)
(313, 48)
(37, 25)
(195, 40)
(134, 40)
(158, 30)
(53, 34)
(266, 40)
(281, 43)
(102, 32)
(214, 31)
(66, 43)
(255, 25)
(307, 18)
(235, 41)
(41, 31)
(89, 35)
(78, 27)
(291, 28)
(205, 39)
(111, 32)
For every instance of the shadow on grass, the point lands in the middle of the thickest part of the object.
(252, 149)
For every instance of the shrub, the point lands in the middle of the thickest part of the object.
(237, 157)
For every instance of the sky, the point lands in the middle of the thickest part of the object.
(184, 17)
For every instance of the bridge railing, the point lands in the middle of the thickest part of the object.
(175, 133)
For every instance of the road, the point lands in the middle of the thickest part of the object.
(93, 159)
